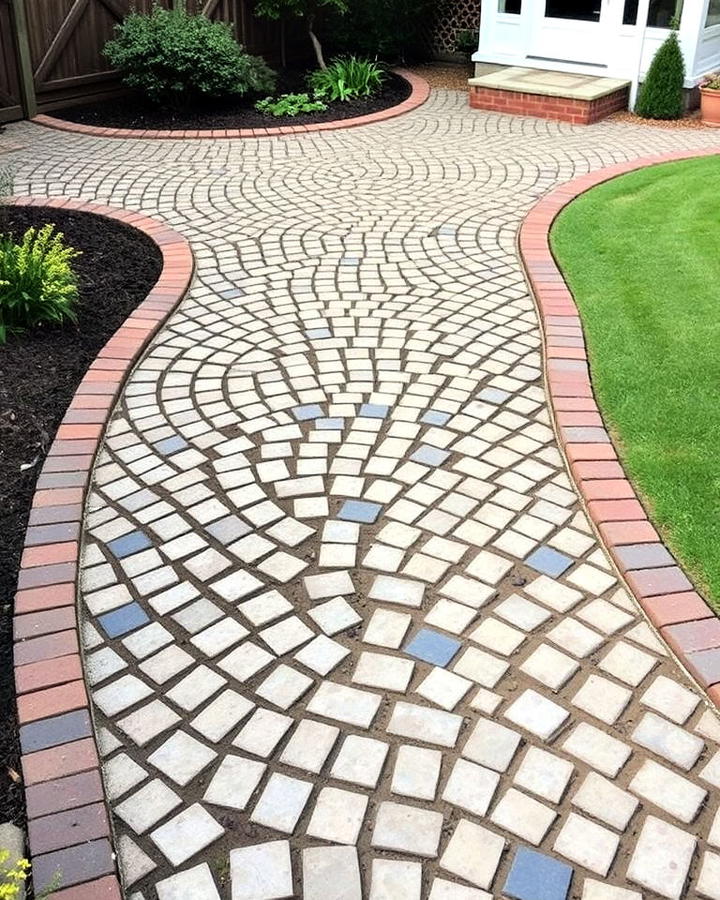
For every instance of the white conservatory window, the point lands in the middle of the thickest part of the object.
(660, 14)
(713, 17)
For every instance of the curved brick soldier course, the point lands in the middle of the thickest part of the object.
(419, 94)
(345, 620)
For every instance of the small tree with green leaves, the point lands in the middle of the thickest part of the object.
(307, 10)
(661, 94)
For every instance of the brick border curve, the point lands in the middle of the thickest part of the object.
(418, 95)
(68, 824)
(683, 618)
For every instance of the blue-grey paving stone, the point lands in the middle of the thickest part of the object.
(447, 229)
(534, 876)
(493, 395)
(644, 556)
(232, 293)
(121, 621)
(435, 417)
(62, 729)
(350, 261)
(330, 424)
(171, 445)
(229, 529)
(316, 333)
(129, 544)
(374, 411)
(304, 413)
(432, 647)
(549, 561)
(360, 511)
(429, 456)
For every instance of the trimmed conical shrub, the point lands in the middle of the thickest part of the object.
(661, 94)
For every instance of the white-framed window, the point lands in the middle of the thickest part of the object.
(713, 16)
(513, 7)
(660, 14)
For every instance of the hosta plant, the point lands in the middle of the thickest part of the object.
(37, 283)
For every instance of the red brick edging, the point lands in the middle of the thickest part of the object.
(682, 616)
(68, 824)
(419, 94)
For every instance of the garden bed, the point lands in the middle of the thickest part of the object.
(132, 112)
(39, 372)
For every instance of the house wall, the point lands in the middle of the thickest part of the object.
(457, 16)
(505, 39)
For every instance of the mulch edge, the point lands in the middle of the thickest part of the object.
(683, 618)
(419, 94)
(47, 656)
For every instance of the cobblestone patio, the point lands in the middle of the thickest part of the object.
(347, 628)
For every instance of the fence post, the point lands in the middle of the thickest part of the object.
(27, 82)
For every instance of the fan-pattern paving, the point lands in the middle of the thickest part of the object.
(347, 629)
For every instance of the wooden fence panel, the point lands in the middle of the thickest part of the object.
(10, 89)
(66, 38)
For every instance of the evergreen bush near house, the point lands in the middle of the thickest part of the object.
(172, 57)
(346, 79)
(661, 94)
(37, 283)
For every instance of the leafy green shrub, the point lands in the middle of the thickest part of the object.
(466, 41)
(289, 105)
(392, 30)
(37, 282)
(347, 78)
(172, 56)
(661, 94)
(308, 11)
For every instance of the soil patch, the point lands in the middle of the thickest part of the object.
(133, 112)
(39, 372)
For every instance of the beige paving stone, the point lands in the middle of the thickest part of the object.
(661, 859)
(473, 853)
(521, 815)
(407, 829)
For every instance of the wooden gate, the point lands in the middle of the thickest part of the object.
(64, 41)
(11, 102)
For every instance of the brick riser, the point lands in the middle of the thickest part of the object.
(562, 109)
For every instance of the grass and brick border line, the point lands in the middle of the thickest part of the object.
(68, 823)
(419, 94)
(683, 618)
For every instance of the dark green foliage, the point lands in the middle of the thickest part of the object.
(466, 41)
(172, 57)
(347, 78)
(308, 11)
(37, 282)
(289, 105)
(661, 94)
(393, 30)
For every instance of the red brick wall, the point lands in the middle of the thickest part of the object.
(563, 109)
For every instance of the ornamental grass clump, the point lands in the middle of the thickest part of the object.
(347, 79)
(661, 94)
(173, 57)
(37, 283)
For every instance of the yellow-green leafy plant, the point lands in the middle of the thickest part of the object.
(12, 875)
(38, 285)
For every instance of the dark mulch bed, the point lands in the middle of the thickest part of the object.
(39, 373)
(133, 112)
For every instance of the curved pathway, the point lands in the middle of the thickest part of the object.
(348, 630)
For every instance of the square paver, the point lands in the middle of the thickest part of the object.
(309, 746)
(281, 803)
(535, 876)
(234, 782)
(521, 815)
(186, 834)
(473, 853)
(471, 787)
(605, 801)
(416, 773)
(360, 761)
(261, 872)
(544, 774)
(407, 829)
(338, 816)
(662, 857)
(587, 844)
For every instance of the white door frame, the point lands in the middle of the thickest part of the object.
(570, 41)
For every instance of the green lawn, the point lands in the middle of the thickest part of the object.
(642, 257)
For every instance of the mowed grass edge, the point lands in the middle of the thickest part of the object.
(641, 254)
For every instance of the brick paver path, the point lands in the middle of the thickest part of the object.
(348, 631)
